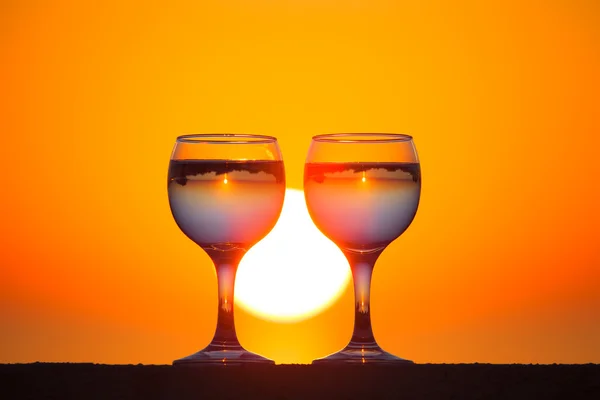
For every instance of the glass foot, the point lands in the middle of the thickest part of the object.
(218, 355)
(361, 354)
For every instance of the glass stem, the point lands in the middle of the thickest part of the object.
(362, 270)
(226, 266)
(225, 333)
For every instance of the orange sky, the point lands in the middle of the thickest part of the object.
(501, 264)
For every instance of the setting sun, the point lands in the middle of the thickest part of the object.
(295, 271)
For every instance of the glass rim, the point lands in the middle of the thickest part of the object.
(359, 137)
(226, 138)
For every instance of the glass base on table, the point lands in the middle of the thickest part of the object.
(222, 355)
(367, 354)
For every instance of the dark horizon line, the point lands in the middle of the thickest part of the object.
(74, 363)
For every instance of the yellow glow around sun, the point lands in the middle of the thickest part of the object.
(295, 271)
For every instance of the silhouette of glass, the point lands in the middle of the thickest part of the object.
(226, 193)
(362, 191)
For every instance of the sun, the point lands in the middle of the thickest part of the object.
(295, 271)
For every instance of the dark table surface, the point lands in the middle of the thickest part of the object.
(419, 381)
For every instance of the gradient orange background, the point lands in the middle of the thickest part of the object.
(502, 263)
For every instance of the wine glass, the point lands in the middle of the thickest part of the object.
(362, 191)
(226, 193)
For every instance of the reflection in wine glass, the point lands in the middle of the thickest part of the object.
(362, 192)
(226, 192)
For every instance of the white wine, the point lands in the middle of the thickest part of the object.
(362, 205)
(222, 204)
